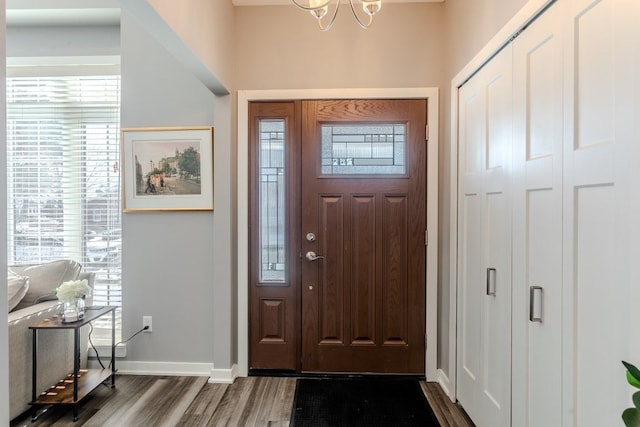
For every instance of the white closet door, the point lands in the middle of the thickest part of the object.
(600, 191)
(537, 223)
(484, 272)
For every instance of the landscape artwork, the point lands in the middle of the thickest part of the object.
(168, 169)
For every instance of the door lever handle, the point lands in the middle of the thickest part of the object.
(311, 256)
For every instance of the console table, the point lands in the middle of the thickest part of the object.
(78, 384)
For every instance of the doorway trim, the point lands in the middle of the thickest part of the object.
(246, 96)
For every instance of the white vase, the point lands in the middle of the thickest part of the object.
(73, 311)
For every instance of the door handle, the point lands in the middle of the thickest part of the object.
(535, 310)
(491, 281)
(311, 256)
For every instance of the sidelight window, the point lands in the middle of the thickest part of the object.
(272, 200)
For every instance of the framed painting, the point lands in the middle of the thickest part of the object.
(167, 169)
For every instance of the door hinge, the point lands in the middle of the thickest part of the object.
(426, 133)
(425, 341)
(426, 237)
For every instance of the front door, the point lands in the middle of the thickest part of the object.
(338, 236)
(363, 230)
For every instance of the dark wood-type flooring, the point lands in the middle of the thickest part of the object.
(191, 401)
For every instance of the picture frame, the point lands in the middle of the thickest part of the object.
(167, 169)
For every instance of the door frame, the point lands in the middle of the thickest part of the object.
(242, 273)
(530, 11)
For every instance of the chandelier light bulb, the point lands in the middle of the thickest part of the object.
(319, 12)
(371, 7)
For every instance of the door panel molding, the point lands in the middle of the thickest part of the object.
(394, 272)
(363, 236)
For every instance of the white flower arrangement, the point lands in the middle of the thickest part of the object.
(72, 290)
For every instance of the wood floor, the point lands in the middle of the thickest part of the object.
(191, 401)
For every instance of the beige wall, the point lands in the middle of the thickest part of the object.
(282, 48)
(206, 26)
(470, 24)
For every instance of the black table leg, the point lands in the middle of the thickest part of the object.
(76, 370)
(113, 349)
(34, 372)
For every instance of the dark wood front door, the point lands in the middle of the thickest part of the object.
(342, 288)
(363, 198)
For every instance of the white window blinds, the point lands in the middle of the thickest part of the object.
(63, 177)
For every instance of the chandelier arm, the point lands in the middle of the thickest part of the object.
(333, 18)
(355, 15)
(309, 8)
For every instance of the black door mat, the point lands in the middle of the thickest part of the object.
(360, 402)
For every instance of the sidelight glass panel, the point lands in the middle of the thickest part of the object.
(363, 149)
(272, 200)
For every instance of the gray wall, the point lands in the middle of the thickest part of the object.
(38, 41)
(169, 268)
(178, 267)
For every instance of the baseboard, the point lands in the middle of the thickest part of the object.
(104, 351)
(444, 382)
(162, 368)
(223, 376)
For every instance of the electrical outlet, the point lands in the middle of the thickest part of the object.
(147, 321)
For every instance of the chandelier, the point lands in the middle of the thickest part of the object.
(320, 8)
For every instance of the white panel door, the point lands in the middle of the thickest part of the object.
(600, 208)
(484, 248)
(537, 223)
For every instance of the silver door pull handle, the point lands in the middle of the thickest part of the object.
(311, 256)
(491, 281)
(535, 304)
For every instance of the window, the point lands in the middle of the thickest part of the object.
(63, 176)
(363, 149)
(272, 200)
